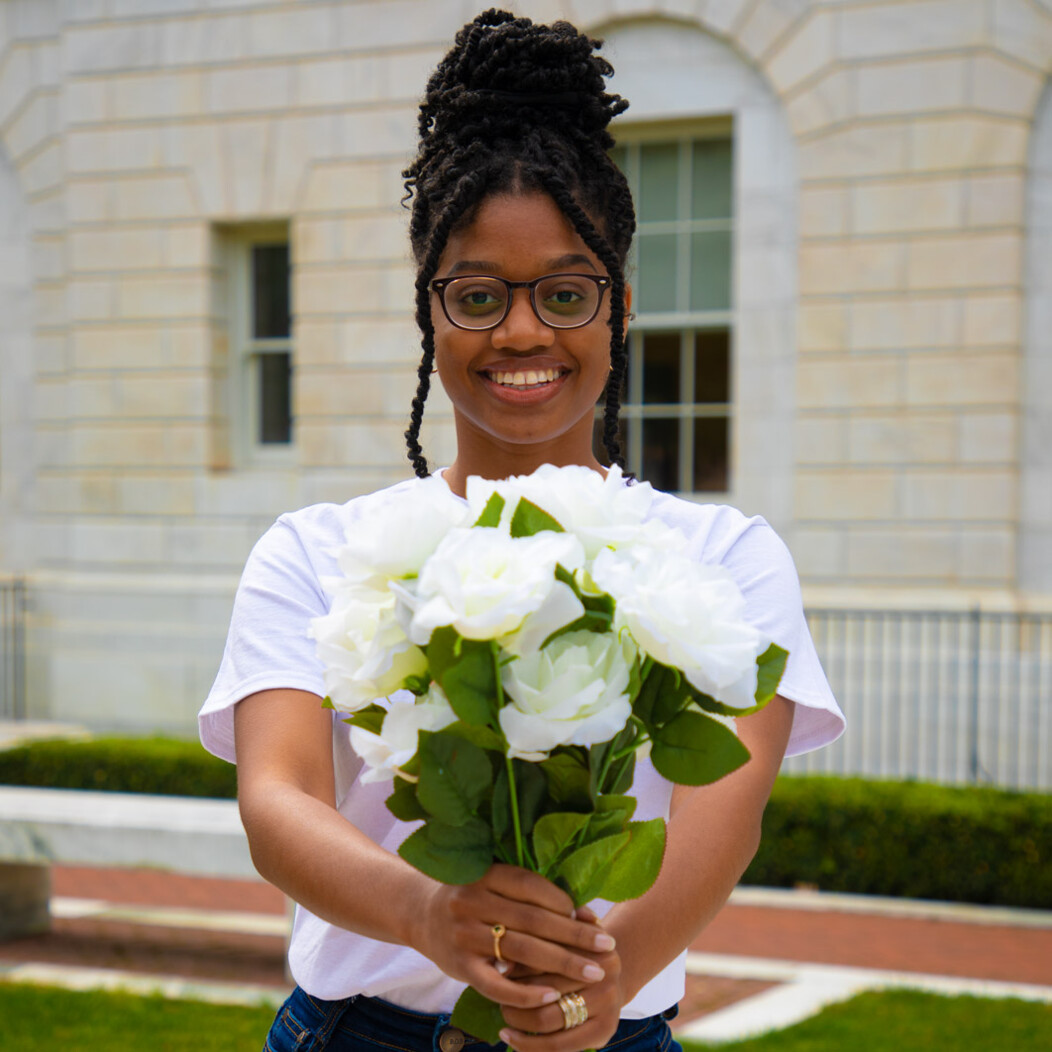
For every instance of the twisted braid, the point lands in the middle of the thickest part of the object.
(516, 107)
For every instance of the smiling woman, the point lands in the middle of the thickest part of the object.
(520, 228)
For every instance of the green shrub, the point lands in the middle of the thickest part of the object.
(959, 844)
(127, 765)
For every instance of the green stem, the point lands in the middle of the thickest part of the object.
(512, 792)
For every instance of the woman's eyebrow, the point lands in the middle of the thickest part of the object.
(483, 266)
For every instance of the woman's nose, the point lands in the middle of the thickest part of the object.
(521, 328)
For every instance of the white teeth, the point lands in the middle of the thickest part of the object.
(530, 378)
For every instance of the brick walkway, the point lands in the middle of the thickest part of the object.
(949, 947)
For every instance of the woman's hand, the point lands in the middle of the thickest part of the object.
(543, 1029)
(542, 936)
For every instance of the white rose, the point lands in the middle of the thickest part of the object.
(401, 532)
(396, 743)
(688, 615)
(484, 583)
(364, 651)
(602, 512)
(573, 692)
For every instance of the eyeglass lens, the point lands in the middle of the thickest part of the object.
(560, 300)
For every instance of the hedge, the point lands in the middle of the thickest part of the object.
(166, 766)
(908, 839)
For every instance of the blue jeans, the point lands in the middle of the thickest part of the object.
(367, 1024)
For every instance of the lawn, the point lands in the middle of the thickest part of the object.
(908, 1021)
(42, 1019)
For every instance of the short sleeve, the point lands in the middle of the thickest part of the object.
(267, 646)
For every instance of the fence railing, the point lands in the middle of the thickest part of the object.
(12, 649)
(957, 697)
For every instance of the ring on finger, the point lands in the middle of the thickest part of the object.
(574, 1010)
(499, 931)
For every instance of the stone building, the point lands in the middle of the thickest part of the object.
(844, 309)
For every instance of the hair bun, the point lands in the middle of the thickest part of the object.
(503, 64)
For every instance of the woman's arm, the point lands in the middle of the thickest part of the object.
(302, 844)
(713, 833)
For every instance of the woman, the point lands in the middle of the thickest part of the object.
(520, 229)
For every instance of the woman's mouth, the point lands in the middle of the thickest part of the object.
(524, 379)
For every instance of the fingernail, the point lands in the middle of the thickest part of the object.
(593, 973)
(505, 1036)
(604, 941)
(550, 997)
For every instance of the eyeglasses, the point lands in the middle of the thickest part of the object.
(560, 301)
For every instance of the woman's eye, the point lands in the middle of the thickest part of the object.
(564, 299)
(478, 301)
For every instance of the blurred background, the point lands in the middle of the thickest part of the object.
(843, 282)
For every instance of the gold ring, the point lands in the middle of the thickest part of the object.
(499, 931)
(574, 1009)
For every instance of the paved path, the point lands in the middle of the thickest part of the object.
(769, 958)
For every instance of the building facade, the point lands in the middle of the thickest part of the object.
(843, 279)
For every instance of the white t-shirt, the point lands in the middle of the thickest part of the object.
(268, 648)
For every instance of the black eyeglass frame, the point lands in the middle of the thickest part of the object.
(439, 285)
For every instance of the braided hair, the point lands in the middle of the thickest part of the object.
(516, 107)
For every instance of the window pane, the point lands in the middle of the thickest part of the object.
(711, 192)
(712, 382)
(270, 291)
(275, 398)
(657, 272)
(661, 367)
(710, 454)
(658, 171)
(661, 454)
(710, 270)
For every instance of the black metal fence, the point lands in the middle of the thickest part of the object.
(12, 649)
(956, 697)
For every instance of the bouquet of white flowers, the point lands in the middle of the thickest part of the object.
(541, 635)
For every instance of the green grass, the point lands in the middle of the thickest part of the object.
(908, 1021)
(43, 1019)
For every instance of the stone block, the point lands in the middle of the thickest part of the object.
(203, 40)
(803, 53)
(851, 266)
(823, 102)
(170, 494)
(381, 238)
(36, 122)
(215, 546)
(819, 553)
(25, 891)
(919, 204)
(91, 299)
(338, 392)
(187, 245)
(152, 197)
(903, 322)
(913, 86)
(48, 255)
(115, 542)
(317, 241)
(346, 186)
(110, 46)
(824, 211)
(1001, 86)
(821, 439)
(162, 395)
(988, 438)
(43, 170)
(723, 15)
(988, 556)
(1023, 29)
(157, 95)
(88, 200)
(304, 29)
(17, 79)
(849, 383)
(897, 439)
(890, 30)
(900, 555)
(120, 346)
(837, 495)
(248, 89)
(938, 144)
(977, 379)
(115, 248)
(865, 150)
(89, 104)
(165, 295)
(959, 495)
(822, 325)
(350, 445)
(766, 23)
(965, 262)
(996, 200)
(993, 320)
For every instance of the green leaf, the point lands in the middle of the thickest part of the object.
(455, 777)
(606, 823)
(584, 872)
(569, 781)
(627, 804)
(772, 665)
(402, 802)
(694, 749)
(370, 718)
(554, 833)
(478, 1016)
(419, 685)
(529, 519)
(327, 703)
(451, 854)
(532, 788)
(637, 864)
(484, 737)
(464, 670)
(491, 512)
(598, 760)
(587, 622)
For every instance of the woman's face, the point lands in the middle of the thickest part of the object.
(523, 393)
